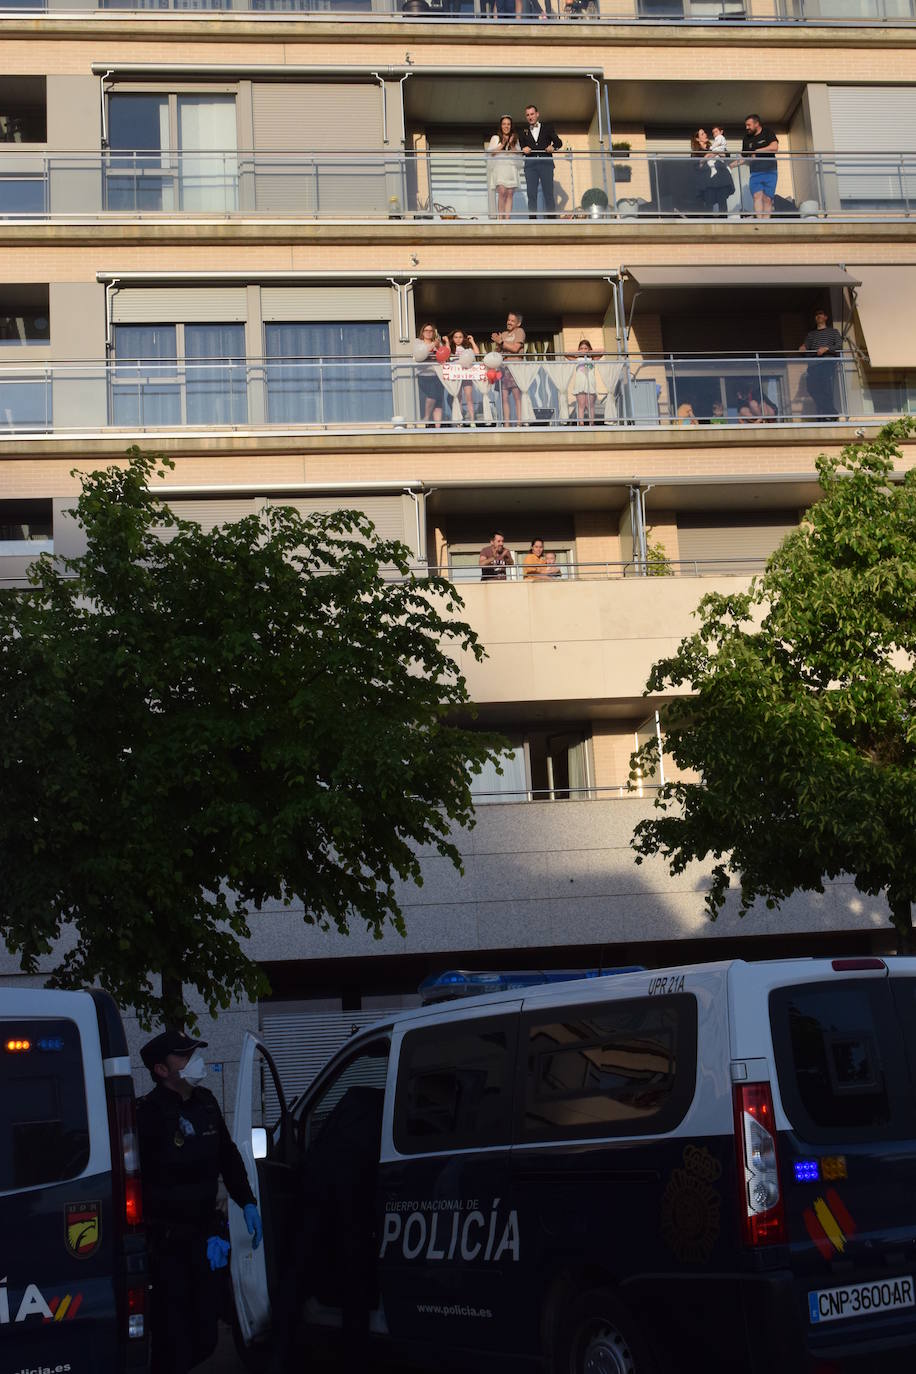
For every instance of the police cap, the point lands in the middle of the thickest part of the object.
(168, 1042)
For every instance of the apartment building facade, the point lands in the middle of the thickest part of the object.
(225, 222)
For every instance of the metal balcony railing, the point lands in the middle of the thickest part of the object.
(442, 187)
(786, 12)
(738, 565)
(696, 392)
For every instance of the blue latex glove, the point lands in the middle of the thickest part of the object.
(217, 1252)
(253, 1222)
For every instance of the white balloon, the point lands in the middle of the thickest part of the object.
(420, 351)
(467, 357)
(493, 359)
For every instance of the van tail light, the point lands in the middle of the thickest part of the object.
(125, 1158)
(136, 1312)
(760, 1201)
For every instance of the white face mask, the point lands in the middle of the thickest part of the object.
(195, 1068)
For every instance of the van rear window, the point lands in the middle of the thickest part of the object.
(44, 1128)
(621, 1068)
(455, 1085)
(838, 1058)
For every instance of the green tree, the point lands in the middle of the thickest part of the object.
(801, 726)
(198, 723)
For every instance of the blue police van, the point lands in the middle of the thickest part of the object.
(706, 1167)
(73, 1273)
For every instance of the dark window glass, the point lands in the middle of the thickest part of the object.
(835, 1055)
(366, 1070)
(25, 521)
(455, 1086)
(145, 386)
(621, 1068)
(44, 1130)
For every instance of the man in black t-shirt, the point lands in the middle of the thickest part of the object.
(761, 145)
(825, 345)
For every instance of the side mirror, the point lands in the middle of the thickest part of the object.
(259, 1142)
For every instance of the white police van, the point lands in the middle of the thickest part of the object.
(73, 1270)
(696, 1168)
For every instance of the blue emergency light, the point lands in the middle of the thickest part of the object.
(806, 1170)
(442, 987)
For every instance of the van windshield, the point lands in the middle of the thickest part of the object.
(44, 1130)
(838, 1058)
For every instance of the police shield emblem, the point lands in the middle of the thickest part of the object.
(83, 1227)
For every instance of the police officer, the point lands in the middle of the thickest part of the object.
(184, 1148)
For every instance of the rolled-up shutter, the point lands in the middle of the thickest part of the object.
(190, 304)
(301, 1044)
(320, 115)
(208, 513)
(731, 543)
(872, 120)
(326, 303)
(389, 514)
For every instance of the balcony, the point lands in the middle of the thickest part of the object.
(371, 394)
(445, 187)
(787, 12)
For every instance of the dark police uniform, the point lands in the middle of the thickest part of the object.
(184, 1148)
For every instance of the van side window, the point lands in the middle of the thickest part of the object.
(835, 1056)
(455, 1085)
(621, 1068)
(44, 1129)
(366, 1069)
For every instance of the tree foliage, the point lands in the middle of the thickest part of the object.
(199, 723)
(801, 729)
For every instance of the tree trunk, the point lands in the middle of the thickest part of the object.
(902, 920)
(173, 1003)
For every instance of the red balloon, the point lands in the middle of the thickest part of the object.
(443, 353)
(493, 374)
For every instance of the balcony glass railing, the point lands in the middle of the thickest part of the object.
(552, 11)
(335, 393)
(442, 186)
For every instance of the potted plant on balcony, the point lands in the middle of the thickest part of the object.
(621, 151)
(595, 202)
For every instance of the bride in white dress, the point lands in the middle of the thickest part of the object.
(506, 166)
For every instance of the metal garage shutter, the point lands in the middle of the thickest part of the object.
(301, 1043)
(189, 304)
(724, 544)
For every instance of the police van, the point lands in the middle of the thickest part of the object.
(73, 1271)
(695, 1168)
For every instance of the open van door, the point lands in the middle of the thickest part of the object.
(269, 1162)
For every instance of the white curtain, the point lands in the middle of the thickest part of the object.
(510, 785)
(524, 374)
(610, 374)
(453, 386)
(208, 144)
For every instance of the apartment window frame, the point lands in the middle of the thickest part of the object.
(173, 375)
(25, 301)
(163, 166)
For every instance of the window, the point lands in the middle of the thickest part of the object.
(367, 1069)
(455, 1085)
(330, 373)
(25, 526)
(44, 1129)
(838, 1058)
(172, 152)
(24, 314)
(623, 1068)
(541, 766)
(169, 374)
(23, 108)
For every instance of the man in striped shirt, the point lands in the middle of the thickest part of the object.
(825, 344)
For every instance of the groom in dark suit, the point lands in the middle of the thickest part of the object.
(538, 143)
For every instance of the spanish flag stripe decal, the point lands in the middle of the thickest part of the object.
(815, 1231)
(62, 1309)
(840, 1212)
(830, 1224)
(74, 1306)
(53, 1305)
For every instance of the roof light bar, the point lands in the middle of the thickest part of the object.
(444, 987)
